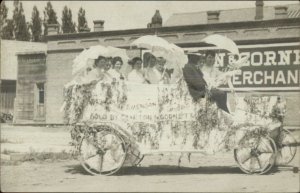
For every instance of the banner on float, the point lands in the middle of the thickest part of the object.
(145, 103)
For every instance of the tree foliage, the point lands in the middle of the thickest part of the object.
(82, 23)
(21, 30)
(49, 16)
(68, 26)
(3, 13)
(8, 30)
(6, 26)
(36, 25)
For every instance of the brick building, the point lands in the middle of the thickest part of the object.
(268, 35)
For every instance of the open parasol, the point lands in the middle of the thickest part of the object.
(86, 58)
(222, 42)
(151, 42)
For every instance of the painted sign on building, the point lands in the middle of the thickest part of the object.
(270, 67)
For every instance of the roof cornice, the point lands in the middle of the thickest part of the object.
(214, 26)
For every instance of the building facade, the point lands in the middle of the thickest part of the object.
(268, 35)
(9, 72)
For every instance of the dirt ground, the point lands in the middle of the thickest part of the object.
(156, 174)
(204, 173)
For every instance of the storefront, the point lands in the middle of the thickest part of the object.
(271, 44)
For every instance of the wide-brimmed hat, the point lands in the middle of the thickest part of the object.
(195, 53)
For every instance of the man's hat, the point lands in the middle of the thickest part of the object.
(195, 53)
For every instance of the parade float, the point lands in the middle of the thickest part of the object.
(115, 124)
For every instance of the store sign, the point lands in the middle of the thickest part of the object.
(273, 67)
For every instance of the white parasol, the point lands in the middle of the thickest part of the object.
(86, 58)
(151, 42)
(222, 42)
(160, 47)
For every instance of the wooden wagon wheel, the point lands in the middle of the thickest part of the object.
(287, 147)
(257, 156)
(103, 153)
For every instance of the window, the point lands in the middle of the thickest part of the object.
(41, 93)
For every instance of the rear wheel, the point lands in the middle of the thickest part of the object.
(103, 152)
(256, 155)
(287, 147)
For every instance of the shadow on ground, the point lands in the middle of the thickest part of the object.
(76, 169)
(162, 170)
(175, 170)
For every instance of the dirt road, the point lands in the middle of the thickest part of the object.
(156, 173)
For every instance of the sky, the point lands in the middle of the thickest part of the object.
(132, 14)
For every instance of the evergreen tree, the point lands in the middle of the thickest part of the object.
(36, 25)
(3, 14)
(67, 24)
(8, 30)
(21, 29)
(6, 26)
(82, 23)
(49, 16)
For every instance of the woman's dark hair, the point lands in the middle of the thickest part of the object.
(135, 59)
(210, 52)
(147, 57)
(116, 59)
(98, 59)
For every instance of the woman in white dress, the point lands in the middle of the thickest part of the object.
(158, 75)
(136, 75)
(115, 72)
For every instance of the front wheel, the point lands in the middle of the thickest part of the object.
(256, 155)
(103, 152)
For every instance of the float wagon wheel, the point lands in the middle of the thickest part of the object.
(287, 148)
(256, 155)
(103, 152)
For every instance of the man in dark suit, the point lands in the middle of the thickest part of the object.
(194, 77)
(197, 85)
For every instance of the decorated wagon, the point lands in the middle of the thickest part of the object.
(116, 123)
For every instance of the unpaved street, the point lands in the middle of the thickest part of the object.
(156, 173)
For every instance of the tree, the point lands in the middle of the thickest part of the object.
(82, 23)
(36, 25)
(49, 16)
(8, 30)
(6, 26)
(67, 24)
(3, 14)
(21, 29)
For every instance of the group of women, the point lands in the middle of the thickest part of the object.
(150, 71)
(199, 74)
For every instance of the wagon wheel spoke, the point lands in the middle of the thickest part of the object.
(265, 148)
(258, 161)
(252, 161)
(245, 155)
(101, 163)
(91, 156)
(246, 159)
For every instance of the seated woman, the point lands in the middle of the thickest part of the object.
(149, 63)
(158, 73)
(100, 70)
(115, 72)
(136, 75)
